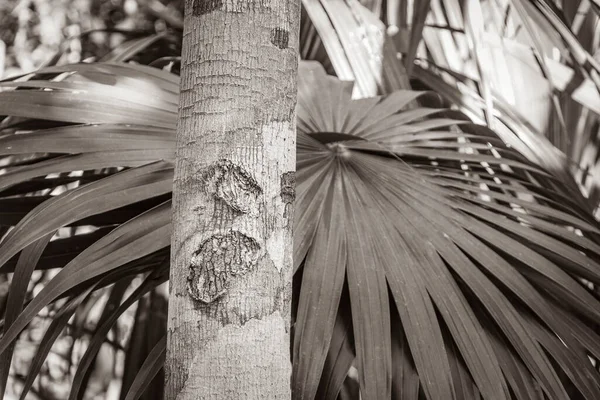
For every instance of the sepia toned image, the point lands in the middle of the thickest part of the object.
(299, 199)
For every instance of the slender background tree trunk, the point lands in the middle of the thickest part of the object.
(231, 266)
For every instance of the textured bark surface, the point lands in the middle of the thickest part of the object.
(231, 254)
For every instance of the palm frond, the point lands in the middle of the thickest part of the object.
(449, 250)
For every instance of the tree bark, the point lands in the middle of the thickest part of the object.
(231, 252)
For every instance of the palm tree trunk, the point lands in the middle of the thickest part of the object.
(231, 257)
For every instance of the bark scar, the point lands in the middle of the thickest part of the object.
(288, 187)
(233, 185)
(217, 260)
(201, 7)
(288, 192)
(280, 37)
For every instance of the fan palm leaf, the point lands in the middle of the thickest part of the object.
(441, 249)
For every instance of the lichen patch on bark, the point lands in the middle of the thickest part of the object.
(276, 248)
(277, 136)
(219, 259)
(233, 185)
